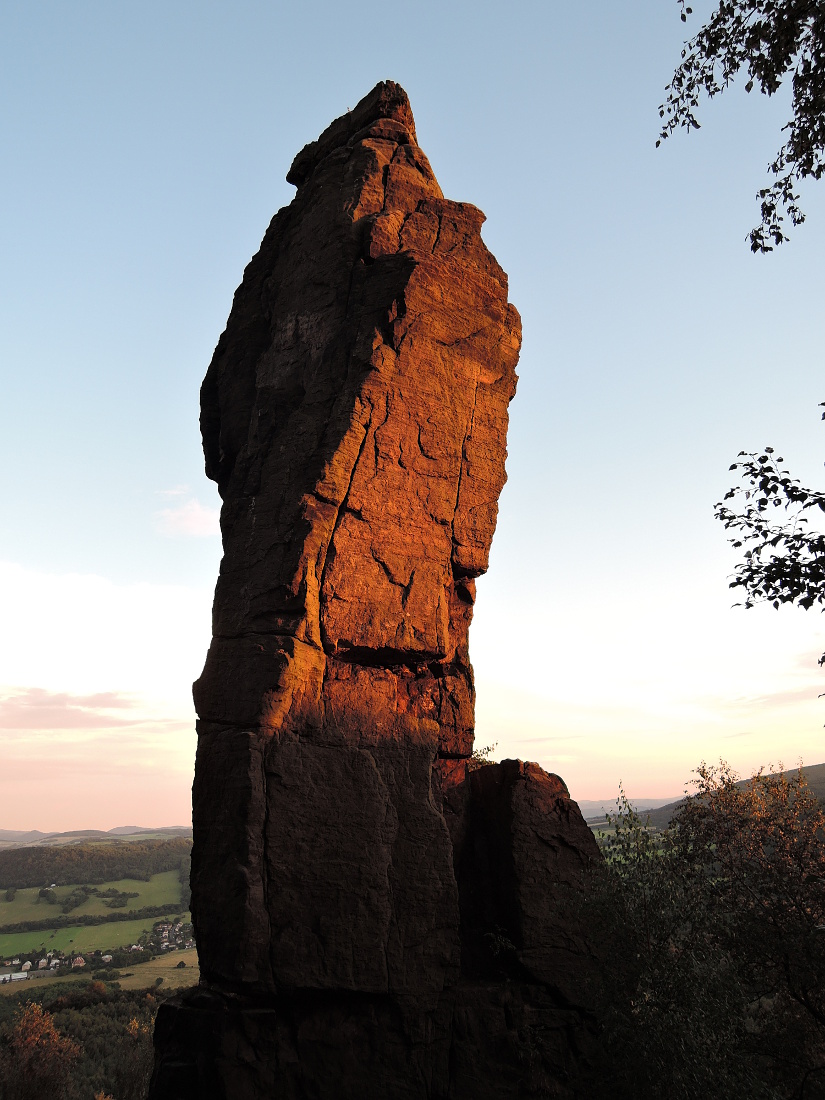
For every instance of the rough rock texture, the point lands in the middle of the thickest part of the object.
(374, 919)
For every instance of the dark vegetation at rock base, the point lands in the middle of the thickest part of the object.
(711, 938)
(92, 1043)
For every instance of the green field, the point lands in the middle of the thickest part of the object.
(77, 938)
(161, 889)
(166, 967)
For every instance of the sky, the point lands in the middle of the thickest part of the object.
(144, 152)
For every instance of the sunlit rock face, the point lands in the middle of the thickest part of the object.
(354, 417)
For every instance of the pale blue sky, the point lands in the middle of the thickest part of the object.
(145, 148)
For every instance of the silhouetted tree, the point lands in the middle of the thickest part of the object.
(784, 562)
(769, 39)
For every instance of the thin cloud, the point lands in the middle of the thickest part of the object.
(138, 768)
(176, 491)
(807, 693)
(550, 737)
(40, 709)
(189, 520)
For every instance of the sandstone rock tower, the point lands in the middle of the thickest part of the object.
(351, 879)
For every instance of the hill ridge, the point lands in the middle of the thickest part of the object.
(22, 838)
(660, 816)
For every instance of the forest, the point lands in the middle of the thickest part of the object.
(94, 1041)
(90, 863)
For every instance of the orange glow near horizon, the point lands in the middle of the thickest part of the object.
(107, 739)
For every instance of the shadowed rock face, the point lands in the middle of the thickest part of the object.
(348, 870)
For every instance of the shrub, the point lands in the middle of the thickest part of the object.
(36, 1061)
(714, 937)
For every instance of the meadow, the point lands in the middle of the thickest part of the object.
(163, 888)
(78, 938)
(166, 967)
(139, 976)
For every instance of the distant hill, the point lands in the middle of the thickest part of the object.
(12, 838)
(18, 838)
(598, 807)
(660, 817)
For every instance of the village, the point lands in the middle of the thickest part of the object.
(166, 936)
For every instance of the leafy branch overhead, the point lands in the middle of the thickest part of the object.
(784, 561)
(769, 39)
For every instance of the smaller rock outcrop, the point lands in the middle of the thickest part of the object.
(520, 847)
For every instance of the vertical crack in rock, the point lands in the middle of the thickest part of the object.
(341, 508)
(348, 867)
(463, 461)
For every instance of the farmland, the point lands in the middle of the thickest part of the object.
(162, 889)
(77, 939)
(135, 976)
(77, 918)
(164, 966)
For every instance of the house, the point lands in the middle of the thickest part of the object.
(26, 965)
(106, 958)
(79, 961)
(42, 964)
